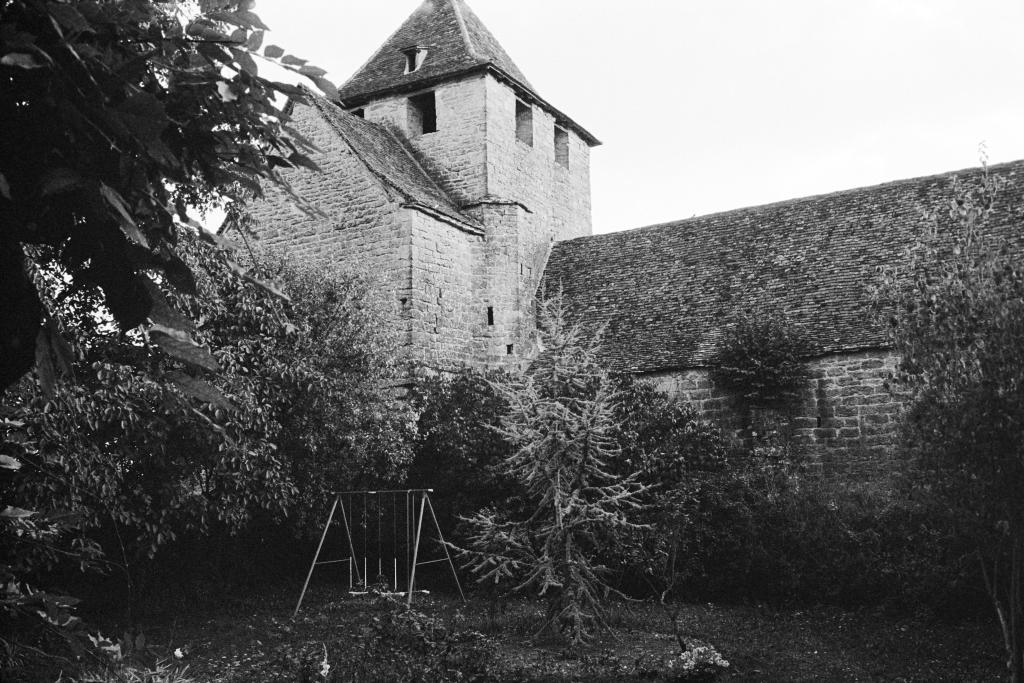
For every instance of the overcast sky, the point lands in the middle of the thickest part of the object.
(710, 105)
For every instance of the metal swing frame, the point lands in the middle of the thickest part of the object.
(353, 563)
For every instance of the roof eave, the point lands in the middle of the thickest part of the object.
(560, 117)
(828, 352)
(445, 217)
(521, 89)
(361, 98)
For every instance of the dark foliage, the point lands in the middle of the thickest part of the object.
(957, 318)
(117, 116)
(762, 523)
(457, 450)
(761, 360)
(142, 459)
(767, 529)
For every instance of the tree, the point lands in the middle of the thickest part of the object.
(957, 318)
(139, 455)
(117, 117)
(561, 425)
(303, 406)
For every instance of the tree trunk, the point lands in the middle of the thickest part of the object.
(22, 313)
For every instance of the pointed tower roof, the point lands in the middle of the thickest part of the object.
(453, 42)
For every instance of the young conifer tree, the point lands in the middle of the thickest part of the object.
(560, 423)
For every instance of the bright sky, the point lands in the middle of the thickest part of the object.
(710, 105)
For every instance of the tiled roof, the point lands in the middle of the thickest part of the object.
(456, 42)
(664, 293)
(389, 159)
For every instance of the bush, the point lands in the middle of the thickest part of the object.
(766, 528)
(761, 523)
(760, 360)
(956, 316)
(457, 450)
(671, 450)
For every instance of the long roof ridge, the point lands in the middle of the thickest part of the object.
(1016, 164)
(665, 292)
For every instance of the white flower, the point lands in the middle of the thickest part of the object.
(178, 654)
(325, 667)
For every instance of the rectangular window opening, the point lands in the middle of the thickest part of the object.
(423, 114)
(524, 122)
(490, 315)
(509, 349)
(561, 146)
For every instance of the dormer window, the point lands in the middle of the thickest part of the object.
(414, 57)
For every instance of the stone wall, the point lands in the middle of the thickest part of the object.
(532, 201)
(848, 418)
(359, 229)
(504, 303)
(448, 318)
(455, 154)
(557, 196)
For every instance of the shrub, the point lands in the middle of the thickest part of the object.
(766, 528)
(457, 450)
(671, 450)
(760, 360)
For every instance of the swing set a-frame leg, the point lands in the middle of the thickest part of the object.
(440, 536)
(416, 551)
(351, 546)
(316, 557)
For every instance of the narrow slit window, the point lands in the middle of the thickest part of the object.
(490, 315)
(524, 122)
(423, 114)
(561, 146)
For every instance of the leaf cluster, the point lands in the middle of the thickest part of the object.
(761, 359)
(956, 314)
(119, 116)
(456, 450)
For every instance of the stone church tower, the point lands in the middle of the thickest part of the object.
(447, 176)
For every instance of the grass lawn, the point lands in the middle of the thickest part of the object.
(252, 638)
